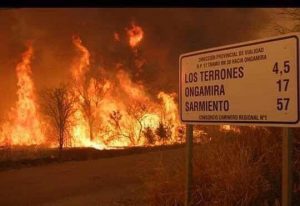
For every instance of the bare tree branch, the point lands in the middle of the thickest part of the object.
(58, 105)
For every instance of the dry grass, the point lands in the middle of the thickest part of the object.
(165, 184)
(28, 156)
(233, 169)
(25, 152)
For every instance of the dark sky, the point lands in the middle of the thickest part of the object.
(168, 33)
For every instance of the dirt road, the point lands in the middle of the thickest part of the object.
(109, 181)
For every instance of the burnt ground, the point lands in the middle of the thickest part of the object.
(112, 177)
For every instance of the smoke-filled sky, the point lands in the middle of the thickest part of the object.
(167, 34)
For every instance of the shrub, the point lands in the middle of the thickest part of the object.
(149, 135)
(163, 132)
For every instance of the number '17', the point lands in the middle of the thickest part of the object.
(283, 84)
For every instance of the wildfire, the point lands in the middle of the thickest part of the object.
(135, 34)
(109, 110)
(23, 127)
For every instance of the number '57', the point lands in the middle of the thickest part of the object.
(283, 103)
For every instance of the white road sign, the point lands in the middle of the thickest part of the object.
(255, 82)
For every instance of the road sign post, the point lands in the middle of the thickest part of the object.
(250, 83)
(189, 164)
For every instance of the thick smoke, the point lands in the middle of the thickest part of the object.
(167, 34)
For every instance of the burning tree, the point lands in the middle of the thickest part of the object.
(137, 110)
(91, 99)
(58, 105)
(115, 117)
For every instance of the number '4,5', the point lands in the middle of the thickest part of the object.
(286, 69)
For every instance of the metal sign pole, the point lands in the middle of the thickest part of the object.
(189, 164)
(287, 167)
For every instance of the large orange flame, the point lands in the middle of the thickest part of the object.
(24, 127)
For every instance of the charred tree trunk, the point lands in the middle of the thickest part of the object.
(91, 130)
(61, 142)
(140, 131)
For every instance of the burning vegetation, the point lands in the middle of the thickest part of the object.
(92, 109)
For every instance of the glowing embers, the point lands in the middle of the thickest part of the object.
(135, 34)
